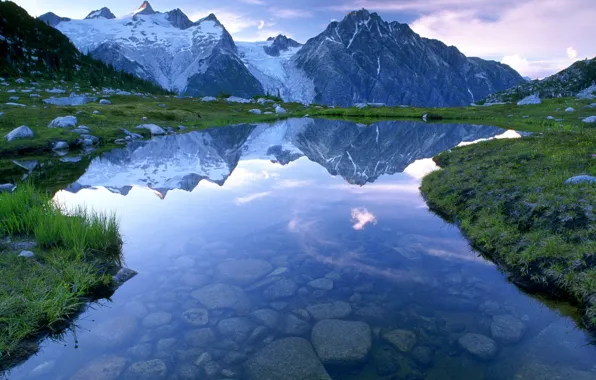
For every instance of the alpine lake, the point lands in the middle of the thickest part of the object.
(300, 249)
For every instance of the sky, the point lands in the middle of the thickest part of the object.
(535, 37)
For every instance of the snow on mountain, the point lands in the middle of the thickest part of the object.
(103, 12)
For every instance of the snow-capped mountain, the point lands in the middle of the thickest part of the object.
(359, 59)
(193, 58)
(359, 154)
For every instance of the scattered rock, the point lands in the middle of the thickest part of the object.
(103, 368)
(280, 110)
(60, 145)
(148, 370)
(255, 111)
(236, 99)
(196, 317)
(266, 317)
(114, 333)
(7, 188)
(123, 275)
(294, 326)
(332, 310)
(13, 98)
(403, 340)
(204, 358)
(26, 254)
(237, 328)
(479, 346)
(550, 118)
(208, 99)
(338, 342)
(569, 109)
(581, 179)
(156, 319)
(104, 102)
(154, 129)
(281, 289)
(532, 99)
(423, 355)
(223, 296)
(425, 117)
(242, 272)
(288, 359)
(22, 132)
(200, 337)
(70, 100)
(321, 283)
(63, 122)
(591, 119)
(140, 351)
(12, 104)
(507, 329)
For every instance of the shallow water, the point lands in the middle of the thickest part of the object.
(284, 218)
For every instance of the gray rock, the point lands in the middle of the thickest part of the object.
(590, 119)
(107, 367)
(123, 275)
(7, 188)
(134, 136)
(200, 337)
(208, 99)
(104, 102)
(331, 310)
(236, 99)
(140, 351)
(528, 100)
(294, 326)
(343, 343)
(507, 329)
(423, 355)
(281, 289)
(161, 105)
(403, 340)
(279, 305)
(148, 370)
(266, 317)
(157, 319)
(114, 333)
(237, 328)
(255, 111)
(569, 109)
(13, 98)
(212, 369)
(70, 100)
(26, 254)
(63, 122)
(479, 346)
(550, 118)
(321, 283)
(242, 272)
(60, 145)
(223, 296)
(12, 104)
(196, 317)
(22, 132)
(581, 179)
(287, 359)
(154, 129)
(204, 358)
(280, 110)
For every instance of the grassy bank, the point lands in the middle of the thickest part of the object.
(510, 199)
(73, 253)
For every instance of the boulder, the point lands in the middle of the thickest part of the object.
(196, 317)
(255, 111)
(331, 310)
(159, 318)
(223, 296)
(148, 370)
(580, 179)
(70, 100)
(288, 359)
(243, 271)
(236, 99)
(237, 328)
(479, 346)
(108, 367)
(123, 275)
(113, 333)
(208, 99)
(281, 289)
(22, 132)
(134, 136)
(528, 100)
(13, 98)
(63, 122)
(321, 283)
(361, 105)
(507, 329)
(403, 340)
(266, 317)
(154, 129)
(27, 254)
(280, 110)
(200, 337)
(294, 326)
(60, 145)
(104, 102)
(569, 109)
(56, 91)
(7, 188)
(590, 119)
(344, 343)
(550, 118)
(12, 104)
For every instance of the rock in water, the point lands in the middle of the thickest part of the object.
(60, 145)
(507, 329)
(332, 310)
(154, 129)
(22, 132)
(149, 370)
(242, 272)
(281, 289)
(114, 332)
(123, 275)
(287, 359)
(103, 368)
(223, 296)
(532, 99)
(196, 317)
(338, 342)
(63, 122)
(479, 346)
(403, 340)
(321, 283)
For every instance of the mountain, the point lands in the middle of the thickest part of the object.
(30, 47)
(192, 58)
(578, 79)
(103, 12)
(365, 59)
(52, 19)
(280, 44)
(359, 154)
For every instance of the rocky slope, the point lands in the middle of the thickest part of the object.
(365, 59)
(358, 154)
(578, 79)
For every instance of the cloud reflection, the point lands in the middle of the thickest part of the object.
(361, 217)
(251, 197)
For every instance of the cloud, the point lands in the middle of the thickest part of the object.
(536, 68)
(261, 24)
(233, 22)
(253, 2)
(361, 217)
(571, 53)
(290, 13)
(249, 198)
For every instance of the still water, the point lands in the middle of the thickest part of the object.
(300, 250)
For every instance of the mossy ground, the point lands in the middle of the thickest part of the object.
(510, 199)
(73, 254)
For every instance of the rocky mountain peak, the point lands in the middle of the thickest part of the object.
(52, 19)
(177, 18)
(280, 43)
(145, 9)
(103, 12)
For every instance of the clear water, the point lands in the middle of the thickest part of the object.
(301, 200)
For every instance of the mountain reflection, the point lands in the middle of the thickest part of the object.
(360, 154)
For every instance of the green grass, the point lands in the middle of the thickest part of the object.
(75, 250)
(510, 199)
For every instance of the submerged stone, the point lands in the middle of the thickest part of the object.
(148, 370)
(344, 343)
(108, 367)
(331, 310)
(507, 329)
(223, 296)
(403, 340)
(479, 346)
(196, 317)
(281, 289)
(242, 272)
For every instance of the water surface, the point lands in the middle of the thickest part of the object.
(246, 235)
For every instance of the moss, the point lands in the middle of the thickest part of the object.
(73, 257)
(510, 199)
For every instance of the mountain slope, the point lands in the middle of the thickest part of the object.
(365, 59)
(192, 58)
(574, 80)
(29, 46)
